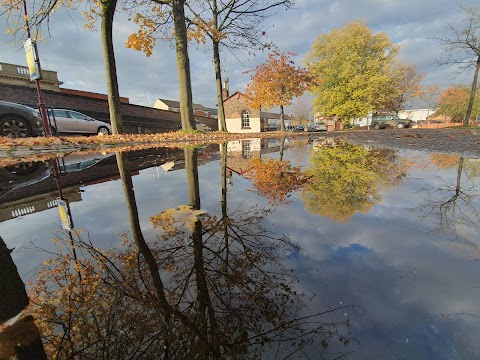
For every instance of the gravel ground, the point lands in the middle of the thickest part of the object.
(464, 142)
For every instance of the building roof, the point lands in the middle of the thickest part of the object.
(176, 105)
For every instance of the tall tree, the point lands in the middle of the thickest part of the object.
(462, 48)
(183, 65)
(114, 105)
(158, 15)
(408, 86)
(351, 69)
(276, 82)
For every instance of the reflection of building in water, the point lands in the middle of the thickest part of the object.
(240, 153)
(37, 203)
(29, 189)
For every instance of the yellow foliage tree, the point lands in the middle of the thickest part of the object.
(352, 70)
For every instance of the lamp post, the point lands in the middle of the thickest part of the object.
(35, 61)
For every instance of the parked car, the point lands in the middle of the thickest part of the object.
(390, 121)
(19, 121)
(74, 122)
(202, 126)
(299, 128)
(272, 127)
(317, 126)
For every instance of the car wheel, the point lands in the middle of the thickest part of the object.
(14, 127)
(23, 168)
(376, 126)
(102, 130)
(400, 125)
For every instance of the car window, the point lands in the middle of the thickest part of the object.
(77, 115)
(60, 113)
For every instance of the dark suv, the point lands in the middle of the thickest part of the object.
(390, 121)
(19, 121)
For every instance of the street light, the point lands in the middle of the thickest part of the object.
(33, 61)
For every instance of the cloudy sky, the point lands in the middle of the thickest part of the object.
(75, 53)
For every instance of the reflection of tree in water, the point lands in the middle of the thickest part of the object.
(348, 178)
(455, 203)
(220, 291)
(275, 179)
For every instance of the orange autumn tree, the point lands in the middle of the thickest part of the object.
(275, 179)
(276, 82)
(454, 102)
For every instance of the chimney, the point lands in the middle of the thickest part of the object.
(225, 92)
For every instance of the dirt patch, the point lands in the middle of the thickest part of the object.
(464, 142)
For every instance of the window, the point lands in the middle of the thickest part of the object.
(60, 113)
(77, 115)
(245, 119)
(246, 149)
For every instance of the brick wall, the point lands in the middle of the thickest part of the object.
(234, 106)
(136, 118)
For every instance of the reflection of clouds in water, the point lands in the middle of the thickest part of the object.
(408, 278)
(404, 285)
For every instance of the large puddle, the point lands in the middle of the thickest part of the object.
(251, 249)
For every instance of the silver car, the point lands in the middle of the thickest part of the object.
(317, 126)
(202, 126)
(74, 122)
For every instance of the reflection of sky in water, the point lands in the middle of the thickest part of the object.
(416, 285)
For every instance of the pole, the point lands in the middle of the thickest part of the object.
(41, 103)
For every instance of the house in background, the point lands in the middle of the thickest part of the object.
(173, 105)
(241, 118)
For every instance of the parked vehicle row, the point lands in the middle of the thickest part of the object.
(18, 121)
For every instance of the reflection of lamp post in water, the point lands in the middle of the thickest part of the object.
(64, 208)
(35, 71)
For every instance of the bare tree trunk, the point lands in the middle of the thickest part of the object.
(282, 147)
(222, 125)
(282, 119)
(191, 169)
(110, 66)
(459, 176)
(20, 340)
(466, 121)
(183, 65)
